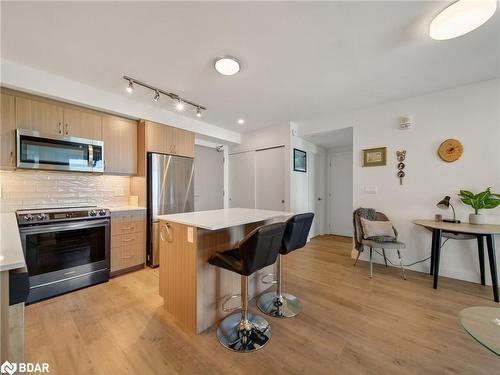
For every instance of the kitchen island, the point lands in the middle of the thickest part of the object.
(192, 289)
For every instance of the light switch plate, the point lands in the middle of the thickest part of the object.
(371, 189)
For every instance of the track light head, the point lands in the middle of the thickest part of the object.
(130, 87)
(179, 105)
(157, 96)
(198, 112)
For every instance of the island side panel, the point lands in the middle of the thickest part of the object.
(178, 272)
(215, 284)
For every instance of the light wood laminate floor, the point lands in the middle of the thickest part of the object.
(349, 325)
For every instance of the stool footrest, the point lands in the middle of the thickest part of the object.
(229, 299)
(263, 279)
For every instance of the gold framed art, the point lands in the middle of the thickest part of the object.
(375, 157)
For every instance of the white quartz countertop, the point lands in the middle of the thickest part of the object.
(11, 250)
(226, 218)
(127, 208)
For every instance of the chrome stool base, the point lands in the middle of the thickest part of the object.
(240, 336)
(269, 304)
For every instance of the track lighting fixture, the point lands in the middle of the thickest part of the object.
(179, 105)
(180, 102)
(130, 87)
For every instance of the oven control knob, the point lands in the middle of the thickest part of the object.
(92, 213)
(42, 217)
(28, 217)
(102, 212)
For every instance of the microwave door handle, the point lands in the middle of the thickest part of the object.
(91, 155)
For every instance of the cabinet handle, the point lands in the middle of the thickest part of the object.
(167, 228)
(67, 129)
(128, 228)
(60, 128)
(127, 257)
(11, 157)
(127, 239)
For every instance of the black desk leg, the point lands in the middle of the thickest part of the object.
(437, 253)
(480, 248)
(490, 240)
(432, 253)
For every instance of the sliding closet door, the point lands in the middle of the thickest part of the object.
(270, 179)
(242, 180)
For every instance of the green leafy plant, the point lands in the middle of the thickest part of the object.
(479, 201)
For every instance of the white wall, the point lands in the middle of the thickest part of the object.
(469, 113)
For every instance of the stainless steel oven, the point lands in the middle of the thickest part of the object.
(40, 151)
(65, 249)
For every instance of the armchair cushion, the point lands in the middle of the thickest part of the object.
(380, 231)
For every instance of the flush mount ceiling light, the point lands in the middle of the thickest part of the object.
(461, 17)
(227, 65)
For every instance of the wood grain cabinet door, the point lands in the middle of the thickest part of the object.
(159, 138)
(120, 145)
(39, 116)
(184, 143)
(7, 131)
(82, 124)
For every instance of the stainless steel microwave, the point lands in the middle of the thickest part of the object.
(53, 152)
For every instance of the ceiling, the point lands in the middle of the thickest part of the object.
(336, 139)
(300, 60)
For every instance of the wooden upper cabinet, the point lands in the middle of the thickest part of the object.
(168, 140)
(120, 145)
(78, 123)
(7, 131)
(184, 142)
(44, 117)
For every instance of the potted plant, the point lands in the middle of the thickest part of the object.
(479, 201)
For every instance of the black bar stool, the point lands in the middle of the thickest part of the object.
(244, 331)
(279, 304)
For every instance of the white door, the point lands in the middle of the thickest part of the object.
(340, 194)
(270, 179)
(208, 178)
(242, 180)
(319, 193)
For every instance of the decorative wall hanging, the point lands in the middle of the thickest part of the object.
(401, 155)
(299, 160)
(375, 157)
(450, 150)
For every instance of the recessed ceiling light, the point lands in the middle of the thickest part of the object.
(227, 65)
(241, 121)
(461, 17)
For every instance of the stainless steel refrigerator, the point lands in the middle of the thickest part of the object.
(170, 191)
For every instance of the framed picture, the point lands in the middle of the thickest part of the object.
(375, 157)
(299, 160)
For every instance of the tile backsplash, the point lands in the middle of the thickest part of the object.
(24, 189)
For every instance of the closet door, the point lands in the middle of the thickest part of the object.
(270, 179)
(242, 180)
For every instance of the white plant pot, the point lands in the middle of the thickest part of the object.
(476, 219)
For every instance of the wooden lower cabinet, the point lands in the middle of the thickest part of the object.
(128, 240)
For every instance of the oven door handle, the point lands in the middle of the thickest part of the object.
(64, 227)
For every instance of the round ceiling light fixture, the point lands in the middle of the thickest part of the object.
(461, 17)
(241, 121)
(227, 65)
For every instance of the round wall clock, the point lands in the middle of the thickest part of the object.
(450, 150)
